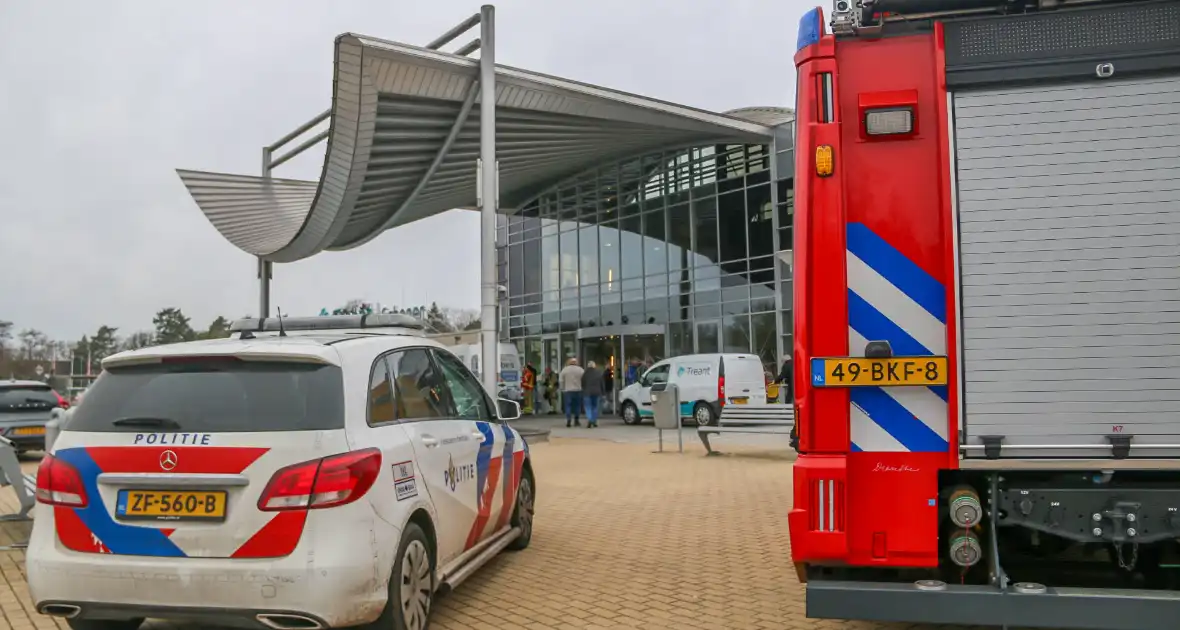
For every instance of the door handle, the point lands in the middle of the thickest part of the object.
(429, 441)
(477, 435)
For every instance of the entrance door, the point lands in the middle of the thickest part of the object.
(550, 364)
(549, 355)
(708, 336)
(607, 354)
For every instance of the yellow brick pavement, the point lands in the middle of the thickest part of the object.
(624, 539)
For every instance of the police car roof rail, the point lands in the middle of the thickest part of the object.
(867, 17)
(369, 321)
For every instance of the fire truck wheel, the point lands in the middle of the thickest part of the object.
(703, 414)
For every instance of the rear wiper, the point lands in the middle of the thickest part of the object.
(147, 422)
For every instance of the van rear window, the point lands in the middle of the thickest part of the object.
(213, 395)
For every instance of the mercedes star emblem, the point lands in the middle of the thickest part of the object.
(167, 460)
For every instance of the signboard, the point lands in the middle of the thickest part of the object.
(367, 308)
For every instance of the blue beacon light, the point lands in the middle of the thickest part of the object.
(811, 28)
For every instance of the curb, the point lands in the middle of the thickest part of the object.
(533, 436)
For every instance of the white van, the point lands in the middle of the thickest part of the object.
(706, 382)
(511, 370)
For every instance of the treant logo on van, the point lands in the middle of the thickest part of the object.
(694, 371)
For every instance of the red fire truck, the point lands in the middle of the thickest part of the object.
(987, 313)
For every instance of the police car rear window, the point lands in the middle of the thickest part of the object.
(213, 395)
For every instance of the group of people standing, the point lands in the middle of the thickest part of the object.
(580, 390)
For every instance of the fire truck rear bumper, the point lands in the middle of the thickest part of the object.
(1072, 608)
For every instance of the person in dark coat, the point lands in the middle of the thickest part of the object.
(608, 387)
(785, 377)
(592, 391)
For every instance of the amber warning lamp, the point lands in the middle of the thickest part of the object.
(825, 160)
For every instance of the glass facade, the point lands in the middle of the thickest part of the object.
(660, 255)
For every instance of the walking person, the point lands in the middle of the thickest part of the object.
(784, 379)
(570, 380)
(592, 391)
(529, 384)
(550, 384)
(608, 388)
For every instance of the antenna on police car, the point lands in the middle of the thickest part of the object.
(282, 331)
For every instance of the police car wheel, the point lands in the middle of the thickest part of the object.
(703, 414)
(630, 413)
(522, 514)
(411, 585)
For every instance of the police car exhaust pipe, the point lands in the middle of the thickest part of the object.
(450, 582)
(278, 621)
(64, 611)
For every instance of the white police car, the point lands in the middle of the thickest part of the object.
(339, 473)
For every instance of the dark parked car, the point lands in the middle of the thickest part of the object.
(25, 407)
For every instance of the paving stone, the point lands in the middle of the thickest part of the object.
(624, 538)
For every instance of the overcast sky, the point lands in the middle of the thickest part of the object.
(101, 101)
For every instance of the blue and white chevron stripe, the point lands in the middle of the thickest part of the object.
(892, 299)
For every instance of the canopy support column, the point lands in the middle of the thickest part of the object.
(265, 267)
(488, 192)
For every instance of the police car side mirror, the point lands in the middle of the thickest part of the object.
(507, 409)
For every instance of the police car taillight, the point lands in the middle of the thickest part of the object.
(322, 483)
(59, 483)
(721, 390)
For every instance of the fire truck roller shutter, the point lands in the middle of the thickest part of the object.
(1068, 207)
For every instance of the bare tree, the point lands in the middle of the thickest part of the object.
(33, 344)
(460, 318)
(5, 336)
(137, 340)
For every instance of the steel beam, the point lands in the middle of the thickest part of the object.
(463, 27)
(469, 48)
(314, 140)
(302, 128)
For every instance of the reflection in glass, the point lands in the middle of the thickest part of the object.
(608, 256)
(731, 219)
(704, 222)
(679, 338)
(568, 241)
(532, 265)
(655, 255)
(630, 229)
(680, 238)
(760, 221)
(737, 333)
(762, 336)
(708, 337)
(588, 250)
(550, 263)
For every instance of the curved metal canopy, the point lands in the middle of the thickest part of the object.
(403, 143)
